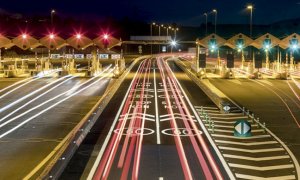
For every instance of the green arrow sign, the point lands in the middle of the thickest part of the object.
(242, 128)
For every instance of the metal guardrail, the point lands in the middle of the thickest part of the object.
(214, 97)
(57, 160)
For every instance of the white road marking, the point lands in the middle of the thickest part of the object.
(233, 137)
(214, 146)
(104, 145)
(245, 176)
(141, 114)
(251, 150)
(175, 114)
(204, 107)
(256, 158)
(247, 143)
(156, 111)
(259, 168)
(232, 131)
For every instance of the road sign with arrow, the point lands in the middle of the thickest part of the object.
(242, 128)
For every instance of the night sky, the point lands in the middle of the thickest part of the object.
(188, 12)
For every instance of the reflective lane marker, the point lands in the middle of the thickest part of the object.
(256, 159)
(251, 150)
(258, 168)
(245, 176)
(156, 111)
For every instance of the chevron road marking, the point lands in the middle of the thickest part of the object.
(259, 168)
(233, 137)
(247, 144)
(245, 176)
(141, 114)
(256, 159)
(231, 131)
(251, 150)
(230, 127)
(199, 107)
(175, 114)
(138, 116)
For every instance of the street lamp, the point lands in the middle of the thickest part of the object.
(24, 36)
(151, 33)
(78, 36)
(51, 36)
(173, 44)
(250, 7)
(216, 14)
(206, 15)
(52, 14)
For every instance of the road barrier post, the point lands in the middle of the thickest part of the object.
(264, 124)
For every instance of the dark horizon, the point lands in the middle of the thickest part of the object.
(187, 14)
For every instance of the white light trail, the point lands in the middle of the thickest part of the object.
(30, 94)
(52, 106)
(49, 100)
(46, 92)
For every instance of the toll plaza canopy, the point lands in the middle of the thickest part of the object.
(242, 41)
(54, 42)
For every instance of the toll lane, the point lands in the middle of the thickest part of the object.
(31, 127)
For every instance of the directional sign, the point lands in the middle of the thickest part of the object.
(242, 128)
(226, 108)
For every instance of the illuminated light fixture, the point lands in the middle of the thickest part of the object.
(267, 47)
(250, 7)
(78, 36)
(51, 36)
(153, 23)
(294, 46)
(173, 43)
(214, 10)
(240, 46)
(105, 36)
(24, 36)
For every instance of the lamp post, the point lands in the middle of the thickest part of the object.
(250, 7)
(175, 30)
(216, 14)
(52, 14)
(151, 32)
(205, 14)
(173, 44)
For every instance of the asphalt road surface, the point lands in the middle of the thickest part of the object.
(275, 102)
(172, 145)
(33, 122)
